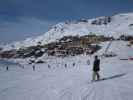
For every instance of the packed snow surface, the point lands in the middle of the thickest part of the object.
(58, 82)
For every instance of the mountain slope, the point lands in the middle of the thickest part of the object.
(110, 26)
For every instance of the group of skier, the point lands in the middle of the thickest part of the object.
(96, 68)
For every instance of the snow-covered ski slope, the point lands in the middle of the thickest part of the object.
(119, 24)
(72, 82)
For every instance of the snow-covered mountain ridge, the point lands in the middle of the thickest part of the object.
(116, 26)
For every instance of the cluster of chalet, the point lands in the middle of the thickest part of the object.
(68, 45)
(74, 45)
(127, 38)
(8, 54)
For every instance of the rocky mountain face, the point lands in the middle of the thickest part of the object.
(102, 21)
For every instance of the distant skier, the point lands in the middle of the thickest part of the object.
(33, 67)
(22, 66)
(96, 69)
(74, 64)
(49, 66)
(88, 62)
(65, 65)
(7, 68)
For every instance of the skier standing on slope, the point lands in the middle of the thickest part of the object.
(96, 69)
(7, 68)
(33, 66)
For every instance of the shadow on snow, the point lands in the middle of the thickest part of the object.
(111, 77)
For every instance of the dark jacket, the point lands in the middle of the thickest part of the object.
(96, 65)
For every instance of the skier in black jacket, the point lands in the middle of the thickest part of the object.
(96, 68)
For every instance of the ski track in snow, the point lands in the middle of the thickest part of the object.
(66, 94)
(87, 94)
